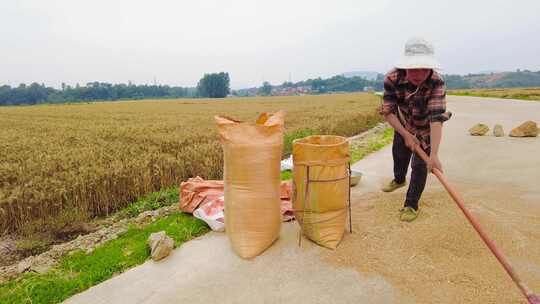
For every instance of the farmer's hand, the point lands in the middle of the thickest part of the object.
(434, 162)
(411, 141)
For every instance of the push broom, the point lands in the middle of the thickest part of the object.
(531, 297)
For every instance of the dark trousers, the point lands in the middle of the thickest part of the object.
(402, 157)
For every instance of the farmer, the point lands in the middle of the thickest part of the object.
(414, 105)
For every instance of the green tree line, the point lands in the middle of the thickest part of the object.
(38, 93)
(215, 85)
(340, 83)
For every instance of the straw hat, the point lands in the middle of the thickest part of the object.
(419, 54)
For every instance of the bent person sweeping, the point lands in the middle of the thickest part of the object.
(414, 105)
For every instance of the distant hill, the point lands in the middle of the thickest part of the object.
(523, 78)
(369, 75)
(486, 79)
(488, 72)
(367, 80)
(335, 84)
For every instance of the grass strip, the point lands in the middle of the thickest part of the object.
(374, 144)
(79, 271)
(508, 94)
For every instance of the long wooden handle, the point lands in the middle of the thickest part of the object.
(531, 297)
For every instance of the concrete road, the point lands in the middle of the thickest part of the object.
(206, 270)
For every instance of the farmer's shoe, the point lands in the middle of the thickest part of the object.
(408, 214)
(393, 185)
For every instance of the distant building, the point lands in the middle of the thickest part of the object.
(369, 89)
(252, 92)
(288, 91)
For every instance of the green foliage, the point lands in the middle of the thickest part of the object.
(288, 139)
(511, 93)
(375, 144)
(38, 93)
(286, 175)
(79, 271)
(266, 89)
(340, 83)
(493, 80)
(456, 81)
(215, 85)
(153, 201)
(291, 136)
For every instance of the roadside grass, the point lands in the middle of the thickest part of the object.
(79, 271)
(289, 137)
(374, 144)
(153, 201)
(34, 244)
(532, 94)
(286, 175)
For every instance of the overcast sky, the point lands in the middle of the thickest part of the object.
(72, 41)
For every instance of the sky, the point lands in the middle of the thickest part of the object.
(176, 42)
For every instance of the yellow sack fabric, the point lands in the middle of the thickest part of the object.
(252, 156)
(322, 211)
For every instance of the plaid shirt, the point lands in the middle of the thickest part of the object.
(417, 106)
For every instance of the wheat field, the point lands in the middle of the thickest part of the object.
(66, 163)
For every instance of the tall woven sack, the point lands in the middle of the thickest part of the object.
(321, 211)
(252, 156)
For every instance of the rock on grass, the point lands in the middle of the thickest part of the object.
(160, 245)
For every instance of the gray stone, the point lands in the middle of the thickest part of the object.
(498, 131)
(24, 265)
(42, 264)
(150, 213)
(160, 245)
